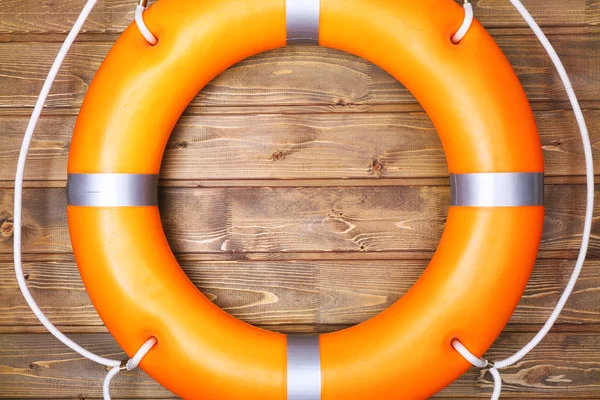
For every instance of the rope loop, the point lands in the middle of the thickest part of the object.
(481, 363)
(141, 24)
(467, 23)
(467, 355)
(127, 365)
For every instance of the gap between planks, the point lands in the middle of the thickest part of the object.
(275, 257)
(320, 109)
(287, 183)
(559, 327)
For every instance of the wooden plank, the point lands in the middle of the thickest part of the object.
(32, 365)
(112, 16)
(287, 294)
(86, 37)
(320, 219)
(298, 76)
(530, 329)
(312, 146)
(499, 13)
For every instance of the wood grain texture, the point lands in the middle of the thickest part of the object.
(321, 219)
(282, 295)
(33, 365)
(304, 190)
(306, 146)
(299, 76)
(112, 16)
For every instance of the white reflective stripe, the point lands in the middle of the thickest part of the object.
(302, 20)
(497, 189)
(112, 190)
(303, 368)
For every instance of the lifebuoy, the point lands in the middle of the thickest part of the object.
(469, 290)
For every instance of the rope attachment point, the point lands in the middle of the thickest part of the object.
(481, 363)
(127, 365)
(470, 357)
(139, 21)
(466, 25)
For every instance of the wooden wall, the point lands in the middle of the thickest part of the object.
(303, 190)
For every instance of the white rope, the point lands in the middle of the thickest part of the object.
(589, 171)
(141, 24)
(64, 49)
(466, 25)
(130, 365)
(474, 360)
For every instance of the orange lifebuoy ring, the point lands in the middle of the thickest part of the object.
(469, 290)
